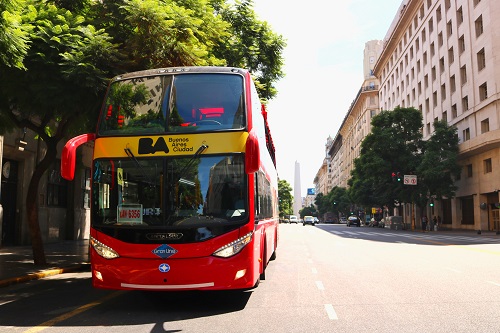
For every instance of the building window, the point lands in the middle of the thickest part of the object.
(487, 165)
(469, 170)
(434, 99)
(431, 25)
(447, 4)
(461, 44)
(438, 14)
(453, 85)
(451, 56)
(479, 26)
(424, 56)
(440, 39)
(466, 134)
(443, 91)
(485, 125)
(476, 2)
(417, 45)
(449, 28)
(445, 116)
(453, 111)
(460, 16)
(433, 49)
(428, 128)
(441, 65)
(463, 74)
(427, 105)
(57, 187)
(483, 91)
(465, 104)
(424, 36)
(433, 73)
(481, 59)
(426, 81)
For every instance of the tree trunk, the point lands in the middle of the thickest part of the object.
(32, 204)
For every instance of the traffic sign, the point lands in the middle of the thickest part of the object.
(410, 180)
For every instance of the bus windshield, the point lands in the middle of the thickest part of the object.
(173, 103)
(179, 192)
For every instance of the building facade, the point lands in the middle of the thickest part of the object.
(440, 56)
(63, 207)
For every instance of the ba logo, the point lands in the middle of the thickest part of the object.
(148, 146)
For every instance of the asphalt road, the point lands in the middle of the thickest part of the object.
(326, 278)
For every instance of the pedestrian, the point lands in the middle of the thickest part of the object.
(424, 223)
(434, 223)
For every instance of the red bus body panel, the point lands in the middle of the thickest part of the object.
(193, 267)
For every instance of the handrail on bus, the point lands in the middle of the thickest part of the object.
(68, 155)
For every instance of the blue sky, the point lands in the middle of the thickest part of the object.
(324, 71)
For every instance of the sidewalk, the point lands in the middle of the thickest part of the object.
(16, 262)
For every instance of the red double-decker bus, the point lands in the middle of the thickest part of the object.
(184, 192)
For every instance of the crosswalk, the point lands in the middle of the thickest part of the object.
(418, 236)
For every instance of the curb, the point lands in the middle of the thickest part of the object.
(43, 274)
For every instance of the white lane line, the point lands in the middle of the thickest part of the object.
(320, 285)
(494, 283)
(330, 311)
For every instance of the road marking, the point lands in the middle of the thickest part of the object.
(494, 283)
(320, 285)
(330, 311)
(70, 314)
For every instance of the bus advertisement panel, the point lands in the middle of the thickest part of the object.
(184, 191)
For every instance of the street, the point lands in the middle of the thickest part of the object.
(326, 278)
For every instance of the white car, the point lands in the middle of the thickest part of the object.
(308, 220)
(293, 219)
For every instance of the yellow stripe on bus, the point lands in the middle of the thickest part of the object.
(170, 145)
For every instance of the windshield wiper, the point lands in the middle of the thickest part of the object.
(184, 170)
(139, 166)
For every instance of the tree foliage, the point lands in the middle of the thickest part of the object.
(395, 145)
(285, 198)
(14, 40)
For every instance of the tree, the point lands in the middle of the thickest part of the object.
(285, 198)
(54, 77)
(393, 146)
(59, 86)
(439, 168)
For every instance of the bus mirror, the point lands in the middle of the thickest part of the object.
(68, 155)
(252, 155)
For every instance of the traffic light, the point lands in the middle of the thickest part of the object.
(399, 176)
(393, 176)
(431, 204)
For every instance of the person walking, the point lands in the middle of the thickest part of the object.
(434, 223)
(424, 222)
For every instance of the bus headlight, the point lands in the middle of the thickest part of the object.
(104, 251)
(234, 247)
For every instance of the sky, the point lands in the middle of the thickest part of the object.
(323, 66)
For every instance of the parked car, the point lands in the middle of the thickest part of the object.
(394, 222)
(293, 219)
(308, 220)
(343, 220)
(353, 220)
